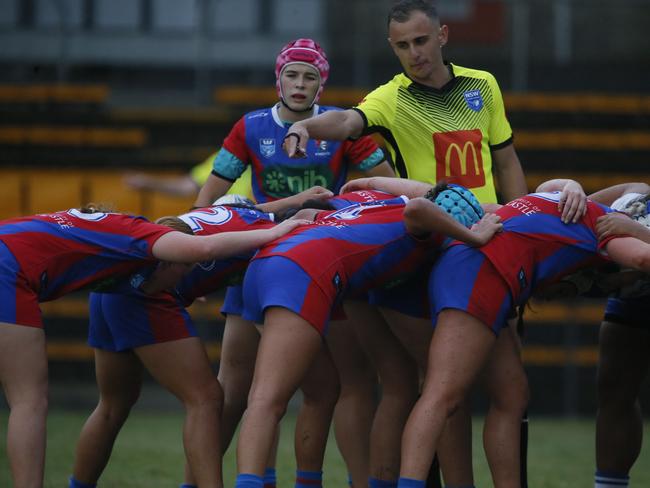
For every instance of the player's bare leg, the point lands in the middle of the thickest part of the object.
(399, 387)
(455, 446)
(459, 349)
(355, 409)
(119, 379)
(413, 333)
(507, 386)
(624, 363)
(184, 369)
(320, 392)
(288, 346)
(23, 374)
(236, 367)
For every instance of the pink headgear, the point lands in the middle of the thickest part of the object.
(304, 51)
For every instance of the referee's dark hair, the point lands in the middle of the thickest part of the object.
(402, 10)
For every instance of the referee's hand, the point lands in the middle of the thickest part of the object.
(295, 142)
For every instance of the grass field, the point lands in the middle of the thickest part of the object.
(149, 453)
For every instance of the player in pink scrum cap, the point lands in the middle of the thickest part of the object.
(305, 52)
(255, 142)
(301, 71)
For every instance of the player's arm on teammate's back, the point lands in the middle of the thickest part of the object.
(616, 223)
(573, 200)
(395, 186)
(295, 201)
(183, 248)
(611, 193)
(556, 184)
(333, 125)
(423, 217)
(630, 252)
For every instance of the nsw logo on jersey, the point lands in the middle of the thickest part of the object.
(473, 99)
(267, 147)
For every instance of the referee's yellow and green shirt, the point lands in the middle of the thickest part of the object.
(448, 133)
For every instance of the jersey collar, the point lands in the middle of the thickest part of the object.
(445, 88)
(281, 123)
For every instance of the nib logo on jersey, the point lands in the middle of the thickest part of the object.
(280, 182)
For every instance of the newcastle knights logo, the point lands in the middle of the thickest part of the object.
(473, 99)
(267, 147)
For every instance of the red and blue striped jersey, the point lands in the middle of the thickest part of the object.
(256, 140)
(360, 196)
(537, 248)
(210, 276)
(64, 251)
(364, 246)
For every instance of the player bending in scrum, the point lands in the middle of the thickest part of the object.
(49, 255)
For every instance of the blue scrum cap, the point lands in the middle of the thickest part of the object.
(458, 202)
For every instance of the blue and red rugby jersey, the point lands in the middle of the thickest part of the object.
(64, 251)
(210, 276)
(257, 138)
(359, 196)
(149, 319)
(536, 248)
(361, 246)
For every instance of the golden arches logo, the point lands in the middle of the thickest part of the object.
(462, 157)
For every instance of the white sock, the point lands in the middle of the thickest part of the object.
(603, 479)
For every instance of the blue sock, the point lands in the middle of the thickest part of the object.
(309, 479)
(73, 483)
(269, 478)
(608, 479)
(187, 485)
(411, 483)
(375, 483)
(249, 481)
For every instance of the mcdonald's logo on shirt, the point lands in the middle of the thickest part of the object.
(458, 157)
